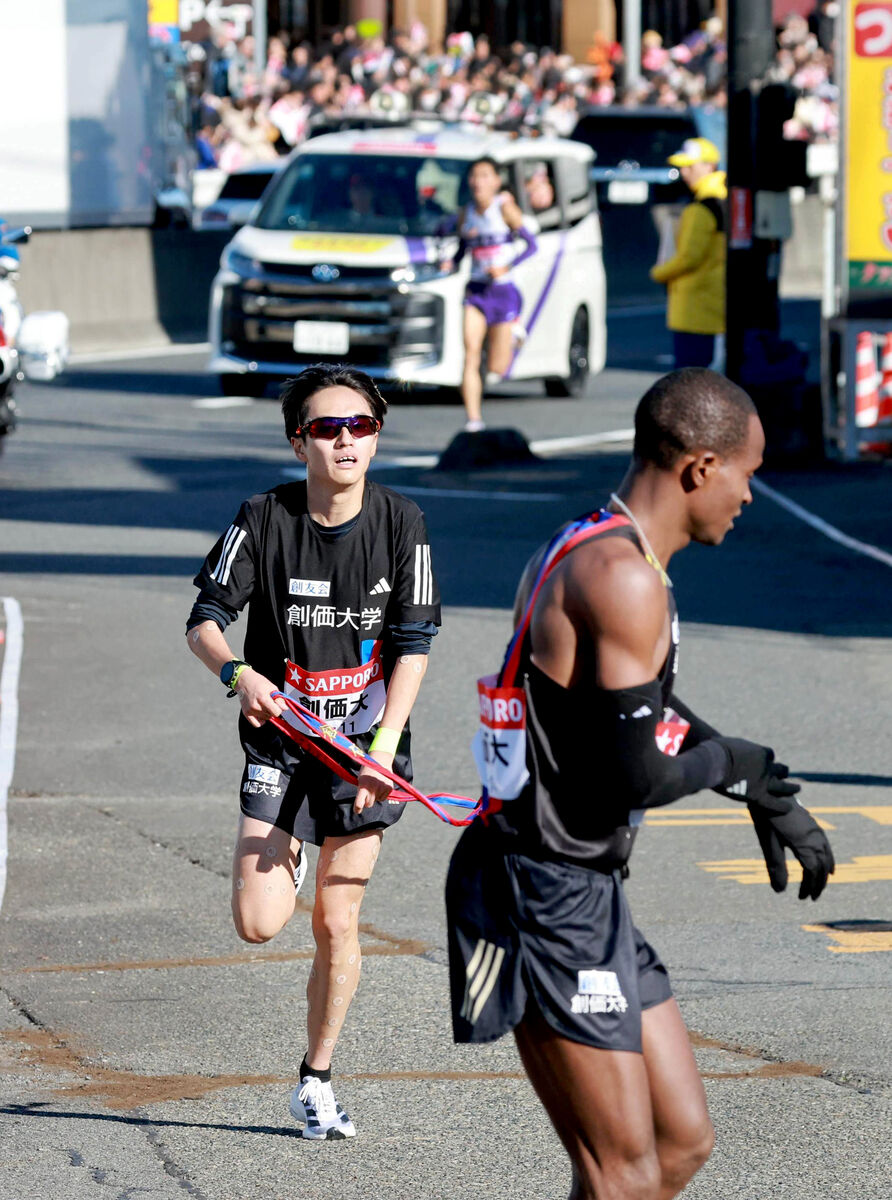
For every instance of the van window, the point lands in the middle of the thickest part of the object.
(579, 196)
(245, 185)
(540, 196)
(413, 195)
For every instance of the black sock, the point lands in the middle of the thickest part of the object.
(306, 1069)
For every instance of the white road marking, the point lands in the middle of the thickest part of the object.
(223, 402)
(581, 441)
(9, 716)
(472, 495)
(822, 526)
(99, 356)
(403, 460)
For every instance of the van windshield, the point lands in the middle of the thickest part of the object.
(639, 138)
(411, 195)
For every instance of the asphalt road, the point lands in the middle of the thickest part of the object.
(144, 1051)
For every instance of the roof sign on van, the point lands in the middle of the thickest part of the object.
(396, 147)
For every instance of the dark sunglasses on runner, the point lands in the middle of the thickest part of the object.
(328, 428)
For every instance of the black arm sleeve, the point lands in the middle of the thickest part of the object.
(700, 731)
(411, 637)
(208, 608)
(641, 772)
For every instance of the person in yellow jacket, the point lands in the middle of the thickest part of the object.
(695, 274)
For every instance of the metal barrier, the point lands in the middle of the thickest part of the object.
(857, 393)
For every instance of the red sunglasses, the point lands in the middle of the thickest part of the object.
(328, 428)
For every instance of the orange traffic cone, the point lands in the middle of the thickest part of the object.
(884, 409)
(884, 398)
(867, 391)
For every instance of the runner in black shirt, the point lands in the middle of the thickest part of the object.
(541, 938)
(342, 608)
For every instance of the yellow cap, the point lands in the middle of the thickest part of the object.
(695, 150)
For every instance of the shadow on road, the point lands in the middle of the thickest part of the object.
(38, 1110)
(773, 572)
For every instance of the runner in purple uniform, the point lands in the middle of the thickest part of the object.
(487, 230)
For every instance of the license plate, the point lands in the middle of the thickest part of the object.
(321, 337)
(627, 191)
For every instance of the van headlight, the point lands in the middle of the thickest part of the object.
(418, 273)
(240, 264)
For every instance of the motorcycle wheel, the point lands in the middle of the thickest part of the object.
(7, 412)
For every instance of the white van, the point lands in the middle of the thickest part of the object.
(343, 262)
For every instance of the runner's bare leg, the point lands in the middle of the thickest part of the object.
(599, 1103)
(344, 868)
(683, 1129)
(472, 384)
(262, 879)
(500, 347)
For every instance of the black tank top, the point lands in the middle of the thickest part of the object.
(572, 807)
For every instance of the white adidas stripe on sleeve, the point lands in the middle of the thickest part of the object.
(232, 541)
(424, 578)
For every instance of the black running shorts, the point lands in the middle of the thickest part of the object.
(287, 786)
(554, 935)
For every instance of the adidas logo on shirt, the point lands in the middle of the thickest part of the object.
(738, 788)
(380, 587)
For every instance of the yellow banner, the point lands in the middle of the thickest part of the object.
(868, 143)
(164, 12)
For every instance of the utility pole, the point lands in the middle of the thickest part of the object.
(751, 293)
(258, 28)
(632, 41)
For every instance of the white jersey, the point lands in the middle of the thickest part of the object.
(489, 238)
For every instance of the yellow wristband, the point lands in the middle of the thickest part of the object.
(237, 674)
(385, 740)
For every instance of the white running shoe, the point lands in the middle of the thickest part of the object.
(518, 332)
(313, 1102)
(474, 426)
(492, 378)
(300, 869)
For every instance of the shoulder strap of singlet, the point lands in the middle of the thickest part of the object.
(565, 540)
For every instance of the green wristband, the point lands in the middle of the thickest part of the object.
(237, 674)
(385, 740)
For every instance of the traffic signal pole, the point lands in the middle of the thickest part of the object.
(751, 297)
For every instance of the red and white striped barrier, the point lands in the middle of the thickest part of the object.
(867, 382)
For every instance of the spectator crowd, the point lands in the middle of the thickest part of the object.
(243, 116)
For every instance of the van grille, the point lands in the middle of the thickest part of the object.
(385, 323)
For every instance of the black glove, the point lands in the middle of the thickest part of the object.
(797, 830)
(754, 777)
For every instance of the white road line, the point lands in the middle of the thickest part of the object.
(9, 717)
(223, 402)
(581, 441)
(403, 460)
(100, 356)
(828, 530)
(546, 446)
(460, 493)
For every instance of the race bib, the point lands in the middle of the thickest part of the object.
(500, 744)
(671, 732)
(349, 699)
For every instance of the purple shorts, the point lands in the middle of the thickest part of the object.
(499, 302)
